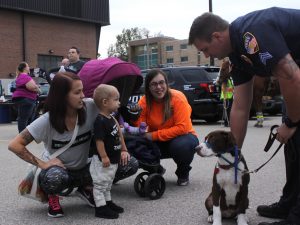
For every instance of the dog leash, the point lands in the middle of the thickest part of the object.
(270, 142)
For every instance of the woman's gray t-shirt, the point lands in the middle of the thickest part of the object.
(76, 156)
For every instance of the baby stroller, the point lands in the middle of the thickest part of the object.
(127, 78)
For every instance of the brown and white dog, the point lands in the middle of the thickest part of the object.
(229, 195)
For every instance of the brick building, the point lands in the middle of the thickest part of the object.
(41, 32)
(165, 51)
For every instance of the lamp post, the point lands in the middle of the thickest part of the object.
(212, 61)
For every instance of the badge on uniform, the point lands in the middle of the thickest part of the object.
(247, 60)
(250, 43)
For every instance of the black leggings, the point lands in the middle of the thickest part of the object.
(56, 179)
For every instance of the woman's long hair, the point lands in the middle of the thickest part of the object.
(20, 68)
(166, 99)
(56, 102)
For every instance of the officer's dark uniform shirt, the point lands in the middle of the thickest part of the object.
(260, 39)
(107, 130)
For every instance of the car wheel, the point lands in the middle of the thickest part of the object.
(213, 119)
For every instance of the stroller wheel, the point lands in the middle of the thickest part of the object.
(66, 192)
(139, 183)
(155, 186)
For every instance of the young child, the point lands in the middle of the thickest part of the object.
(110, 150)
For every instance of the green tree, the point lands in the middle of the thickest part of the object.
(120, 48)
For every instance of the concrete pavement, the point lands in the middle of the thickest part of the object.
(178, 205)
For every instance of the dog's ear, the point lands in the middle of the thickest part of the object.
(217, 140)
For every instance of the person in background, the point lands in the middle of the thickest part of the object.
(167, 114)
(75, 64)
(65, 62)
(261, 43)
(226, 84)
(259, 89)
(25, 96)
(111, 150)
(65, 105)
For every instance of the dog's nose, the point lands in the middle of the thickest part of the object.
(198, 149)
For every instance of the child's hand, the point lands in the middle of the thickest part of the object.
(135, 108)
(148, 136)
(105, 161)
(124, 157)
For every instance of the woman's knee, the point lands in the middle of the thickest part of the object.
(54, 180)
(184, 143)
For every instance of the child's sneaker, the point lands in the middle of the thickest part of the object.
(105, 212)
(54, 209)
(114, 207)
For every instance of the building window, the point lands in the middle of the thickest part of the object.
(170, 60)
(47, 62)
(169, 48)
(154, 50)
(183, 46)
(184, 59)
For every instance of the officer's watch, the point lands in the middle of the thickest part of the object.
(290, 124)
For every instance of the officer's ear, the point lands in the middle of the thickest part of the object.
(218, 36)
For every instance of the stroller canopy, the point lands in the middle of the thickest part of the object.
(125, 76)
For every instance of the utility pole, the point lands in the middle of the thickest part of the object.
(212, 61)
(147, 44)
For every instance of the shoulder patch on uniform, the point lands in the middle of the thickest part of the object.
(250, 43)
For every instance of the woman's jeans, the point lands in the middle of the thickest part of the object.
(181, 149)
(26, 112)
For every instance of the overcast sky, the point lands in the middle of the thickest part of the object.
(173, 18)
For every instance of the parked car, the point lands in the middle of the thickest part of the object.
(197, 83)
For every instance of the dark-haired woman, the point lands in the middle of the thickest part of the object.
(168, 116)
(25, 96)
(65, 103)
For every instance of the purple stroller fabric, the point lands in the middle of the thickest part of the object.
(124, 75)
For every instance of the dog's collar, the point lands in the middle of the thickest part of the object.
(224, 167)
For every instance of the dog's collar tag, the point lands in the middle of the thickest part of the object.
(217, 170)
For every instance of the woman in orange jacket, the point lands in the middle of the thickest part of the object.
(168, 116)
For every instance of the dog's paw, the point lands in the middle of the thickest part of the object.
(217, 223)
(242, 219)
(210, 219)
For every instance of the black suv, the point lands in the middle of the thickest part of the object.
(197, 83)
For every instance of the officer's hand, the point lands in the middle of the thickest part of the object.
(284, 133)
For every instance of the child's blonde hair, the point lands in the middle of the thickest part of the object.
(103, 91)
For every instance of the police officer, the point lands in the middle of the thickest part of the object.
(264, 42)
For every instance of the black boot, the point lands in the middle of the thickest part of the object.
(275, 210)
(114, 207)
(105, 212)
